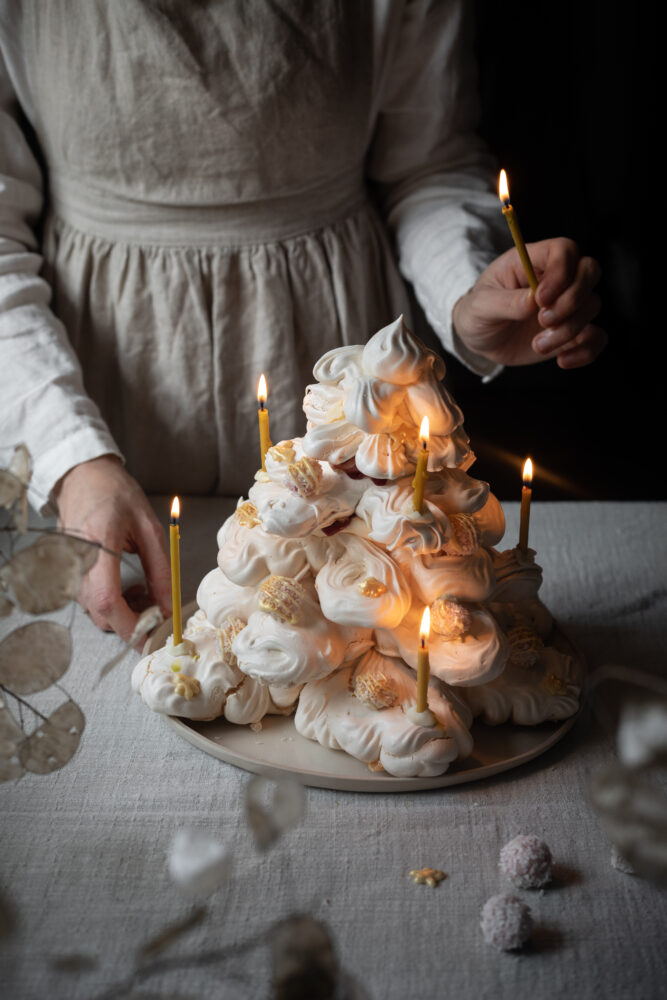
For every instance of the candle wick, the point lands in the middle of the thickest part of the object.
(423, 642)
(261, 404)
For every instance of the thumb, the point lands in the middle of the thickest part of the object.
(152, 551)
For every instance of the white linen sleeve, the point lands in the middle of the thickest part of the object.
(43, 403)
(432, 174)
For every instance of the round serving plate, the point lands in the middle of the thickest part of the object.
(274, 748)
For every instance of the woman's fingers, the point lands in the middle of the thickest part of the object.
(102, 598)
(550, 342)
(575, 296)
(588, 345)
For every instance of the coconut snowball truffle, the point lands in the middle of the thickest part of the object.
(526, 861)
(506, 922)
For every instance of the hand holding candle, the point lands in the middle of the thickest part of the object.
(263, 415)
(526, 494)
(174, 539)
(421, 472)
(513, 223)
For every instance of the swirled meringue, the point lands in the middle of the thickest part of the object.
(334, 443)
(286, 514)
(219, 598)
(387, 512)
(548, 691)
(219, 687)
(470, 578)
(384, 456)
(279, 653)
(431, 398)
(351, 562)
(479, 658)
(247, 555)
(371, 404)
(323, 404)
(518, 576)
(329, 713)
(339, 364)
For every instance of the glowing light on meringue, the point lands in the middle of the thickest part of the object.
(174, 547)
(423, 668)
(422, 468)
(526, 494)
(513, 223)
(263, 416)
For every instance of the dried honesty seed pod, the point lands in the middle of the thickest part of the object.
(525, 646)
(281, 597)
(34, 657)
(450, 619)
(185, 686)
(55, 742)
(375, 689)
(11, 738)
(11, 488)
(47, 575)
(269, 815)
(305, 476)
(282, 452)
(370, 587)
(247, 514)
(465, 535)
(303, 960)
(228, 632)
(16, 477)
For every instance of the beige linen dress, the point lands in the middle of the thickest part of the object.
(218, 190)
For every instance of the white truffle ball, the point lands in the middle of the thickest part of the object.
(526, 861)
(506, 922)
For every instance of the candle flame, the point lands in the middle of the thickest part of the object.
(176, 508)
(423, 432)
(503, 188)
(425, 626)
(261, 390)
(527, 472)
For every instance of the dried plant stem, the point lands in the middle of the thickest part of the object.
(182, 962)
(23, 702)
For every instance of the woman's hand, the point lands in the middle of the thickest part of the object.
(103, 502)
(502, 320)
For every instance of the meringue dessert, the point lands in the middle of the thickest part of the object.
(324, 570)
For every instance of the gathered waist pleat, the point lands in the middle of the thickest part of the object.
(114, 217)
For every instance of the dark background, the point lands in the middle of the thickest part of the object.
(563, 87)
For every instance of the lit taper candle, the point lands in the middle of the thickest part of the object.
(526, 494)
(513, 223)
(263, 415)
(421, 472)
(174, 547)
(423, 667)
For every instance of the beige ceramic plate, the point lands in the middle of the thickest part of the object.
(278, 749)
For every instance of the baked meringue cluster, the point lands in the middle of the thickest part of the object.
(324, 571)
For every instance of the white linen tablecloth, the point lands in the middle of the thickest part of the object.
(83, 850)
